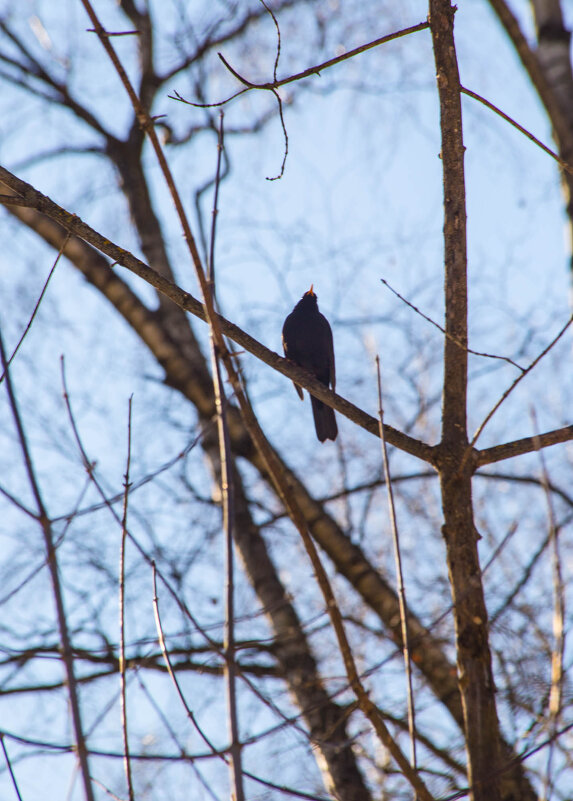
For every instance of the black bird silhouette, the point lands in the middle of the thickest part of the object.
(307, 341)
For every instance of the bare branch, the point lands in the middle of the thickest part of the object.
(9, 766)
(316, 70)
(447, 333)
(66, 646)
(563, 164)
(184, 300)
(558, 647)
(36, 307)
(475, 673)
(518, 447)
(122, 674)
(170, 669)
(399, 575)
(510, 389)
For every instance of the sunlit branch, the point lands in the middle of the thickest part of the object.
(318, 68)
(71, 222)
(518, 447)
(399, 575)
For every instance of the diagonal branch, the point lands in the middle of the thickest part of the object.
(66, 645)
(72, 223)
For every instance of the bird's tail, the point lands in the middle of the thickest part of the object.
(324, 420)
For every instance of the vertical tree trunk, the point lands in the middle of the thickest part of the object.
(473, 654)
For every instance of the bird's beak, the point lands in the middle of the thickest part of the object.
(310, 291)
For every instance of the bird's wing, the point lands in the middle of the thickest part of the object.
(331, 366)
(285, 348)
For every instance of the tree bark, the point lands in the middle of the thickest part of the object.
(475, 675)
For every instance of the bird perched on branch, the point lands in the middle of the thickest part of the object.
(307, 341)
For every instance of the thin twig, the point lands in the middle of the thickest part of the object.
(165, 652)
(37, 306)
(512, 386)
(563, 164)
(399, 575)
(215, 212)
(116, 33)
(9, 766)
(228, 499)
(51, 557)
(470, 448)
(318, 68)
(558, 650)
(126, 485)
(89, 466)
(446, 333)
(285, 135)
(276, 94)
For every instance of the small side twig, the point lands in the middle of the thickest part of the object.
(470, 449)
(215, 212)
(276, 94)
(165, 652)
(512, 386)
(37, 306)
(563, 164)
(9, 766)
(228, 498)
(270, 87)
(127, 762)
(115, 33)
(52, 561)
(318, 68)
(446, 333)
(399, 575)
(558, 650)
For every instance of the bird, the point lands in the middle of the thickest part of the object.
(307, 341)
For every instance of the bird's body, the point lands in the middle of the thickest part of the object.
(307, 341)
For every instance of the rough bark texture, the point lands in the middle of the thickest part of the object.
(473, 654)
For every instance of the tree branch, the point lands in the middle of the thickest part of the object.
(475, 675)
(73, 224)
